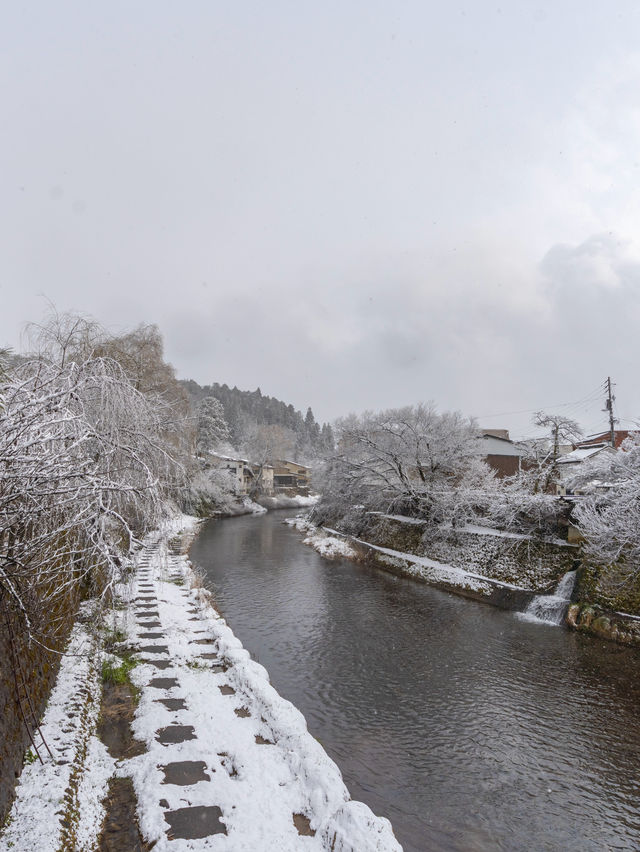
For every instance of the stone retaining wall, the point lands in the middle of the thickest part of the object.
(530, 563)
(40, 668)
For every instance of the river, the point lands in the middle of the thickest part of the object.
(470, 729)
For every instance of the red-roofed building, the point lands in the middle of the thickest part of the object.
(619, 435)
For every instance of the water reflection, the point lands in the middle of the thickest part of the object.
(468, 728)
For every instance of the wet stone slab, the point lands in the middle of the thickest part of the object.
(151, 635)
(150, 624)
(208, 641)
(154, 649)
(227, 690)
(163, 682)
(159, 664)
(175, 734)
(185, 772)
(194, 823)
(172, 703)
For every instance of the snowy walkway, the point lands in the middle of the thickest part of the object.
(229, 764)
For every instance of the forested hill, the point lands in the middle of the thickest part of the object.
(246, 409)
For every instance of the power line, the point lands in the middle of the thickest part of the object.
(590, 397)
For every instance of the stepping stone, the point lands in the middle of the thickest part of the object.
(151, 635)
(163, 682)
(194, 823)
(227, 690)
(303, 825)
(146, 600)
(154, 649)
(242, 712)
(218, 669)
(172, 703)
(203, 641)
(175, 734)
(213, 656)
(159, 664)
(150, 624)
(185, 772)
(148, 614)
(261, 741)
(148, 604)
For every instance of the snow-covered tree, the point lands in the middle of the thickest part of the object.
(409, 459)
(560, 429)
(609, 518)
(211, 427)
(84, 467)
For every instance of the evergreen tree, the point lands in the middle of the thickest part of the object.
(212, 429)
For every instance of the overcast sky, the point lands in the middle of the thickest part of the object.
(349, 204)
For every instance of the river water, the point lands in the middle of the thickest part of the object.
(470, 729)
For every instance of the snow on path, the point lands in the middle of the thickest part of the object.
(261, 765)
(58, 803)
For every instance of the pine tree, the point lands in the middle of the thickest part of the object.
(212, 429)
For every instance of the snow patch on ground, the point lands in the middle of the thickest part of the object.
(326, 545)
(403, 519)
(301, 523)
(330, 546)
(282, 501)
(70, 785)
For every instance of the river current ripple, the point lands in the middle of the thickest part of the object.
(468, 728)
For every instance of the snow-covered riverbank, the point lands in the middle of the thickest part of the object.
(228, 764)
(333, 543)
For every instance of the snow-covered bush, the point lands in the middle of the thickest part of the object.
(208, 492)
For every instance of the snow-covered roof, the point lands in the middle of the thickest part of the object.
(288, 461)
(495, 445)
(229, 458)
(581, 454)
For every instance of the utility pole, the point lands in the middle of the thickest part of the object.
(609, 407)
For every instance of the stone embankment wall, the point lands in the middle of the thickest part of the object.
(486, 590)
(530, 563)
(607, 603)
(39, 668)
(607, 624)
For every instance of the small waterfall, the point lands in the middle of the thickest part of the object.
(552, 608)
